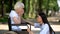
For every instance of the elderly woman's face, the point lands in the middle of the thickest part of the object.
(21, 11)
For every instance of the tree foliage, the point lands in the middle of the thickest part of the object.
(32, 5)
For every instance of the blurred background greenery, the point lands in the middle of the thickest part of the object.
(30, 8)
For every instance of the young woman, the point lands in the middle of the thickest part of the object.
(43, 24)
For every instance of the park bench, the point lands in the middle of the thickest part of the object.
(24, 31)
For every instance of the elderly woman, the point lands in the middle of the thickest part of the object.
(16, 14)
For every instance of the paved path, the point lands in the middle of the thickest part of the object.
(55, 26)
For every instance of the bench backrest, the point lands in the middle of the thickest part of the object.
(9, 24)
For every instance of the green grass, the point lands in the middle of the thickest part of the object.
(4, 19)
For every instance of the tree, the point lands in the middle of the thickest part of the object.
(2, 8)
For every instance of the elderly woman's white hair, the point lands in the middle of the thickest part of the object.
(19, 5)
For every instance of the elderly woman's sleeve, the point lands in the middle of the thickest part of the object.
(13, 14)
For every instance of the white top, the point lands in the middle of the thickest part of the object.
(14, 14)
(58, 1)
(44, 28)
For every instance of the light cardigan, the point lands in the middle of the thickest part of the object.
(11, 15)
(44, 28)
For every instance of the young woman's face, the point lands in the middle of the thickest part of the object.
(39, 19)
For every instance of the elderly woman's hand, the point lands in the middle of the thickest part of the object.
(26, 20)
(17, 21)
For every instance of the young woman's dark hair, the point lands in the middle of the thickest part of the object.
(44, 18)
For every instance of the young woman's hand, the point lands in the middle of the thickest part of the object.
(30, 32)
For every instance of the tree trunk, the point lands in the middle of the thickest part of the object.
(10, 5)
(47, 9)
(2, 8)
(40, 5)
